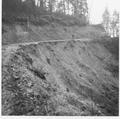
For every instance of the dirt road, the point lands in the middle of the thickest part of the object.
(48, 41)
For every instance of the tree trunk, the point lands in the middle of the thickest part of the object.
(41, 4)
(50, 6)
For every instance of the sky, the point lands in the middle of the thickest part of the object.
(97, 7)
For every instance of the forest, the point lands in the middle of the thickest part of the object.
(66, 12)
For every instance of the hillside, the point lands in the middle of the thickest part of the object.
(58, 78)
(55, 62)
(17, 33)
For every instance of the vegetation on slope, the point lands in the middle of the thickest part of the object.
(19, 34)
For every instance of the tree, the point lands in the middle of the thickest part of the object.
(106, 21)
(111, 23)
(80, 7)
(68, 6)
(115, 24)
(83, 7)
(12, 6)
(35, 8)
(51, 5)
(41, 4)
(29, 7)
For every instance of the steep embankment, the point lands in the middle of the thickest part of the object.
(59, 78)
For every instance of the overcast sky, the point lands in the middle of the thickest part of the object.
(97, 8)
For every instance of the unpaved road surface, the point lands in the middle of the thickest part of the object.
(49, 41)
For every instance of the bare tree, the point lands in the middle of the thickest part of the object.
(115, 24)
(106, 21)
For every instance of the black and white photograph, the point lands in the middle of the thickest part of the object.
(60, 58)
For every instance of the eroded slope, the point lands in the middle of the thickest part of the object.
(59, 78)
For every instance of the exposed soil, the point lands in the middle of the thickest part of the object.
(59, 78)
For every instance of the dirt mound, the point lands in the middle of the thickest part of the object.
(59, 78)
